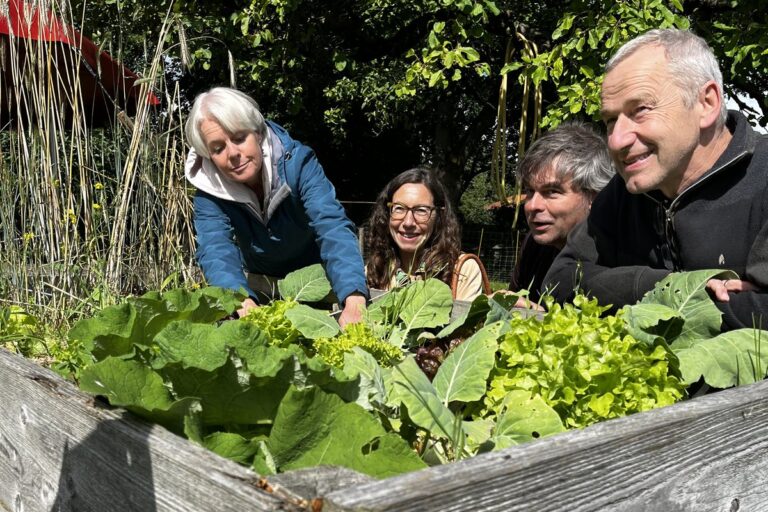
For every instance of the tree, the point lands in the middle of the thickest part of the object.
(378, 86)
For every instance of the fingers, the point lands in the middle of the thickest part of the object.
(525, 303)
(247, 305)
(720, 288)
(737, 285)
(353, 310)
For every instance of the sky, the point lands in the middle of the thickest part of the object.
(749, 101)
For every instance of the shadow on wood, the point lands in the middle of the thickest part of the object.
(91, 481)
(61, 450)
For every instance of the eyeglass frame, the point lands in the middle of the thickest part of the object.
(412, 209)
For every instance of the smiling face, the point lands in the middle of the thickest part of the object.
(409, 233)
(237, 156)
(652, 135)
(553, 207)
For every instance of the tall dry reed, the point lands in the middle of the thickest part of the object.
(86, 214)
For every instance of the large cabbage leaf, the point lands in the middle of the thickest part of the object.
(733, 358)
(684, 293)
(308, 284)
(313, 427)
(464, 373)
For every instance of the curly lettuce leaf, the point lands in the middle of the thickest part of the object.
(273, 322)
(333, 350)
(583, 365)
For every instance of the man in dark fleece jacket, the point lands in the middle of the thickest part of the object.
(691, 191)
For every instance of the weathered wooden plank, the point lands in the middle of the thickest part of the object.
(311, 483)
(61, 450)
(706, 454)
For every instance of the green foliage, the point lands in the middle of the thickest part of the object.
(417, 75)
(271, 319)
(333, 350)
(25, 334)
(116, 330)
(231, 386)
(411, 388)
(586, 36)
(475, 198)
(20, 332)
(462, 375)
(312, 323)
(585, 367)
(739, 38)
(524, 417)
(357, 400)
(680, 313)
(731, 359)
(446, 53)
(308, 284)
(402, 311)
(233, 446)
(313, 427)
(678, 308)
(439, 407)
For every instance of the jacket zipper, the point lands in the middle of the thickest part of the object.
(669, 212)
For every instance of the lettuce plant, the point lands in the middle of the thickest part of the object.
(585, 366)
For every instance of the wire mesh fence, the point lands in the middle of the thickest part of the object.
(497, 247)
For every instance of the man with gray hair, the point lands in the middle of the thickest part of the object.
(561, 174)
(691, 191)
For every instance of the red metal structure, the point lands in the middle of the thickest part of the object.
(43, 57)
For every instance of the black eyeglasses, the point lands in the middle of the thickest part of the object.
(421, 213)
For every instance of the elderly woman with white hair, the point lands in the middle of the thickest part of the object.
(264, 206)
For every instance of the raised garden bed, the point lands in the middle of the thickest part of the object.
(62, 450)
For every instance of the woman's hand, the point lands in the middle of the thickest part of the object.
(247, 305)
(353, 309)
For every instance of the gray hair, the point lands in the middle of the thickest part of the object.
(235, 111)
(573, 151)
(691, 62)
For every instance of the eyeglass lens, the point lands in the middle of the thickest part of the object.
(399, 211)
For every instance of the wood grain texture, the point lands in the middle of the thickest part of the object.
(705, 454)
(60, 450)
(309, 483)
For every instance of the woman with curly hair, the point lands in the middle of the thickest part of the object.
(413, 233)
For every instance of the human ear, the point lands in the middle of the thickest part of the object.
(710, 101)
